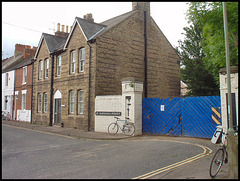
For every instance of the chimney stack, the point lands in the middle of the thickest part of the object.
(58, 27)
(144, 6)
(88, 17)
(63, 27)
(66, 29)
(61, 33)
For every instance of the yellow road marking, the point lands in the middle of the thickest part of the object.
(158, 171)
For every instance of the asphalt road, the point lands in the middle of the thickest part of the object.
(29, 154)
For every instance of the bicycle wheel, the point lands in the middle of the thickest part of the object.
(216, 163)
(113, 128)
(129, 129)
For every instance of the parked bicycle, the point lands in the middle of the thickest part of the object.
(5, 115)
(128, 128)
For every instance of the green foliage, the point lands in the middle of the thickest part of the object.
(203, 50)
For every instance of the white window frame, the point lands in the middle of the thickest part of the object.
(45, 102)
(80, 101)
(24, 75)
(6, 79)
(73, 62)
(46, 68)
(40, 69)
(24, 101)
(59, 61)
(39, 97)
(71, 101)
(5, 102)
(81, 59)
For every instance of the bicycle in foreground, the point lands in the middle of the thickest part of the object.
(128, 128)
(220, 156)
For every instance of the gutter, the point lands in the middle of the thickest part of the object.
(89, 83)
(32, 92)
(51, 93)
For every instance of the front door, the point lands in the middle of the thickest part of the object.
(57, 112)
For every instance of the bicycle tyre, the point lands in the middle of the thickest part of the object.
(129, 129)
(112, 128)
(216, 163)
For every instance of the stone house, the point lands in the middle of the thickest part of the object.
(93, 58)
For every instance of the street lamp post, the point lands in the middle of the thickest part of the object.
(229, 106)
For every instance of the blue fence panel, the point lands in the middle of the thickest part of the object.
(197, 116)
(191, 116)
(161, 116)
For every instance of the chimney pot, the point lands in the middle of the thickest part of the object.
(58, 27)
(63, 26)
(66, 29)
(88, 17)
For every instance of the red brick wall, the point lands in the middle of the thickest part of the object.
(19, 86)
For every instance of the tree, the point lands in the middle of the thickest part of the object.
(199, 80)
(203, 49)
(209, 15)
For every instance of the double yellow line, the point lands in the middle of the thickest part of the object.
(183, 162)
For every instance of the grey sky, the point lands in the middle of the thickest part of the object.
(24, 22)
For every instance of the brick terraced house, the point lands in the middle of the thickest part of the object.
(71, 69)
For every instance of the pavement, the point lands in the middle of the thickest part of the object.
(198, 169)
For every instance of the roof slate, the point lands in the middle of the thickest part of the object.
(53, 42)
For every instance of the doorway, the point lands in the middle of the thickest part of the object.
(57, 111)
(57, 107)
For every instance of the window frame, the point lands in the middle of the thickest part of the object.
(72, 62)
(80, 101)
(71, 102)
(46, 67)
(6, 79)
(59, 63)
(45, 106)
(40, 75)
(81, 59)
(39, 110)
(24, 75)
(5, 102)
(24, 98)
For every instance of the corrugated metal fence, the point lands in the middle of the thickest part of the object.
(190, 116)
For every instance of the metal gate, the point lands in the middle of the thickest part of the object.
(190, 116)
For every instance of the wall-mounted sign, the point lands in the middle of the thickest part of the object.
(101, 113)
(162, 108)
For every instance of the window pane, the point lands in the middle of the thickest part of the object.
(72, 101)
(80, 101)
(39, 102)
(81, 59)
(73, 60)
(23, 101)
(45, 102)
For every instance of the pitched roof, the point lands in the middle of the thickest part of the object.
(115, 21)
(53, 42)
(92, 30)
(18, 63)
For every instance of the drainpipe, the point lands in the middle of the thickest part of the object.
(51, 93)
(145, 53)
(13, 109)
(89, 85)
(32, 91)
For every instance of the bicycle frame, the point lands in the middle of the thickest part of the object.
(125, 122)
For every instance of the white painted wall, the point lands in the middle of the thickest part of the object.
(111, 103)
(119, 103)
(24, 115)
(223, 91)
(8, 91)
